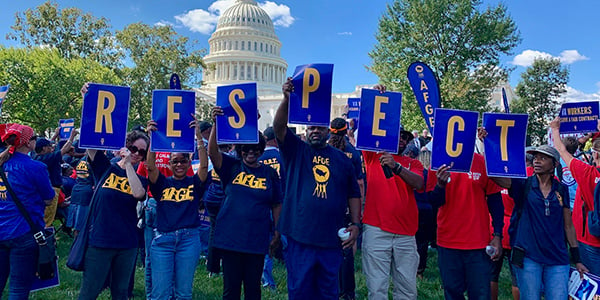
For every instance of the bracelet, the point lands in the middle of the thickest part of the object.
(575, 255)
(497, 234)
(398, 169)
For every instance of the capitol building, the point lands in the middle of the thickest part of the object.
(244, 48)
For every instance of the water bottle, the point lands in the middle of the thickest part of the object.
(490, 250)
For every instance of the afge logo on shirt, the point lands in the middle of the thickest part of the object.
(178, 195)
(321, 174)
(2, 190)
(117, 183)
(251, 181)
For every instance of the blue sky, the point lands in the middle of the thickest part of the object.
(343, 32)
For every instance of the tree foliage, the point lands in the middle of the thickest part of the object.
(45, 86)
(460, 42)
(539, 89)
(72, 32)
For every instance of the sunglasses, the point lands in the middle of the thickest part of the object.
(249, 148)
(140, 152)
(181, 161)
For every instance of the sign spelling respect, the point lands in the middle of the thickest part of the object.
(379, 120)
(310, 102)
(454, 139)
(239, 124)
(504, 159)
(172, 110)
(104, 117)
(579, 117)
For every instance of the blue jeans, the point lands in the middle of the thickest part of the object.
(590, 257)
(174, 257)
(204, 236)
(555, 280)
(99, 262)
(464, 270)
(312, 271)
(150, 224)
(18, 258)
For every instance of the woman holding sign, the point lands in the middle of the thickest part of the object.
(252, 194)
(176, 246)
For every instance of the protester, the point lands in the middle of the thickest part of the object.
(81, 195)
(252, 194)
(543, 227)
(47, 153)
(426, 232)
(176, 247)
(424, 139)
(320, 185)
(466, 201)
(391, 221)
(30, 181)
(587, 177)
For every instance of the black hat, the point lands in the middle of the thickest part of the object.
(269, 134)
(41, 143)
(204, 126)
(408, 134)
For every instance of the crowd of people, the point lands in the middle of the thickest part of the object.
(311, 200)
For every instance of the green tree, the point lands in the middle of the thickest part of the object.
(45, 86)
(155, 53)
(458, 40)
(539, 89)
(72, 32)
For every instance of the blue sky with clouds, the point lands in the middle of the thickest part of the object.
(342, 32)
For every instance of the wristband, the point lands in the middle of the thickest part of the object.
(497, 234)
(575, 255)
(398, 169)
(359, 225)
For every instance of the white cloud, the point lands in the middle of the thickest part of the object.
(345, 33)
(573, 95)
(526, 58)
(164, 23)
(204, 21)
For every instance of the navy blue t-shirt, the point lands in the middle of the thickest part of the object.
(179, 202)
(53, 161)
(114, 222)
(318, 184)
(68, 184)
(542, 236)
(272, 158)
(84, 189)
(244, 221)
(355, 156)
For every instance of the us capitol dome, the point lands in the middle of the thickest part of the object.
(245, 48)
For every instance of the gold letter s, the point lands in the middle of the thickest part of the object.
(242, 117)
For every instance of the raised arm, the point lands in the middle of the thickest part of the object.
(69, 144)
(151, 156)
(558, 144)
(137, 189)
(281, 116)
(213, 149)
(413, 179)
(202, 154)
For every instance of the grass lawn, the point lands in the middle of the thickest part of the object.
(211, 288)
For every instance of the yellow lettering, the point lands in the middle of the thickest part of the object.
(419, 69)
(103, 113)
(454, 120)
(236, 107)
(378, 116)
(250, 181)
(308, 88)
(172, 116)
(117, 183)
(504, 124)
(178, 195)
(429, 109)
(426, 97)
(424, 85)
(320, 160)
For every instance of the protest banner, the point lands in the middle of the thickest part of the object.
(502, 158)
(65, 127)
(379, 120)
(353, 108)
(454, 139)
(310, 102)
(579, 117)
(426, 89)
(104, 117)
(239, 124)
(172, 110)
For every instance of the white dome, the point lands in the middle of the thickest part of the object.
(244, 48)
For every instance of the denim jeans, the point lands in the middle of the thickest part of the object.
(150, 224)
(98, 263)
(554, 279)
(464, 270)
(590, 257)
(18, 258)
(174, 256)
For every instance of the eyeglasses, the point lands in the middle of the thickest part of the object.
(182, 162)
(140, 152)
(547, 204)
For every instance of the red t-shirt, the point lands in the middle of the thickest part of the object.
(390, 203)
(587, 177)
(509, 205)
(162, 164)
(464, 220)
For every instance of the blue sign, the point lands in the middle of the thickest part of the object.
(505, 101)
(504, 159)
(310, 102)
(239, 125)
(353, 108)
(454, 139)
(104, 117)
(426, 89)
(173, 110)
(65, 127)
(585, 288)
(3, 92)
(579, 117)
(379, 120)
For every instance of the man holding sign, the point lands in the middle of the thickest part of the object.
(320, 185)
